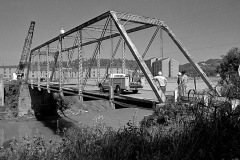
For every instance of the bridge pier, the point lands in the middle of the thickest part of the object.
(42, 103)
(24, 100)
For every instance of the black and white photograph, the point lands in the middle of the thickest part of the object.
(120, 79)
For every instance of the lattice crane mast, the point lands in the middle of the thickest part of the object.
(26, 50)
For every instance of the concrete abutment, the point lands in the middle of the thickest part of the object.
(41, 102)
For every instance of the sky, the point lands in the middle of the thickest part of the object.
(207, 28)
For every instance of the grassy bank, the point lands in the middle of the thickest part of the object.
(176, 131)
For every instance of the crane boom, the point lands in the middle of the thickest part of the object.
(26, 50)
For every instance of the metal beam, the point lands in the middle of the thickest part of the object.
(56, 54)
(188, 56)
(148, 46)
(113, 55)
(105, 38)
(55, 65)
(160, 96)
(95, 53)
(88, 23)
(137, 19)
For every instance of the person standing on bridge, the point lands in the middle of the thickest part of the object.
(184, 81)
(179, 82)
(161, 80)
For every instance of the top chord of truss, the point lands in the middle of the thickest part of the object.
(121, 16)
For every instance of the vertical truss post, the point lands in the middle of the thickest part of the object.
(80, 68)
(161, 43)
(55, 65)
(48, 82)
(98, 64)
(32, 68)
(158, 92)
(68, 68)
(70, 55)
(39, 69)
(60, 65)
(123, 57)
(111, 70)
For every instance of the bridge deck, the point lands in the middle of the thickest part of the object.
(144, 98)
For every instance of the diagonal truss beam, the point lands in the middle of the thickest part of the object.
(189, 57)
(111, 62)
(146, 50)
(109, 36)
(160, 96)
(95, 53)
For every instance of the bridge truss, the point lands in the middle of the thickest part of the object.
(60, 56)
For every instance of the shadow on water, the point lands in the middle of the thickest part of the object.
(59, 124)
(50, 128)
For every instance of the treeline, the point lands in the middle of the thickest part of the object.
(209, 67)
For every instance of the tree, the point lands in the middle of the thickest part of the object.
(228, 68)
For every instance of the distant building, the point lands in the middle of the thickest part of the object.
(168, 66)
(73, 72)
(34, 72)
(149, 63)
(173, 67)
(7, 71)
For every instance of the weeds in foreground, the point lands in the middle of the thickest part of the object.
(175, 131)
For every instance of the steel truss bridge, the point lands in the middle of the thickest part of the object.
(105, 32)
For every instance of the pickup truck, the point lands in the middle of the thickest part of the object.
(121, 83)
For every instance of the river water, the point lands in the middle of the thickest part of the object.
(115, 118)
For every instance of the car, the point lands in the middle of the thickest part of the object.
(120, 83)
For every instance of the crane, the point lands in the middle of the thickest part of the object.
(25, 53)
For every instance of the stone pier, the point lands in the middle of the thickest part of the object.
(24, 100)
